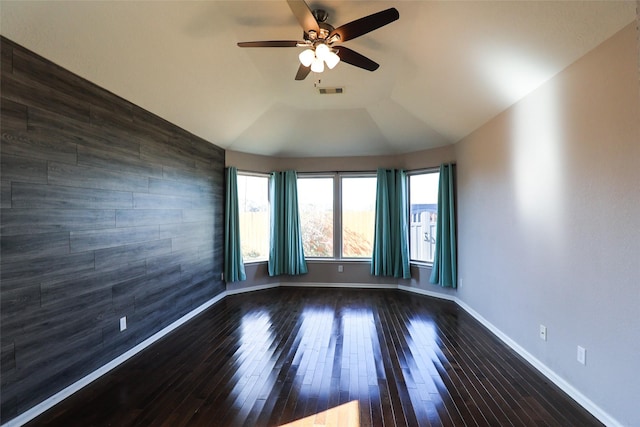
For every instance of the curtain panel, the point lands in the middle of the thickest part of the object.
(391, 234)
(445, 269)
(233, 264)
(286, 254)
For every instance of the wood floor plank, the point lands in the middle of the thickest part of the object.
(312, 356)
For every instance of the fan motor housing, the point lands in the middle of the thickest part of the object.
(325, 28)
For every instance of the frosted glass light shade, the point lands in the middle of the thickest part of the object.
(306, 57)
(317, 66)
(332, 60)
(322, 50)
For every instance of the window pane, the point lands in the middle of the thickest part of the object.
(358, 216)
(315, 202)
(423, 208)
(253, 207)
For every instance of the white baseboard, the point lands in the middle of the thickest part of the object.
(581, 399)
(252, 289)
(428, 293)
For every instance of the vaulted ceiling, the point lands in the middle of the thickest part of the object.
(446, 67)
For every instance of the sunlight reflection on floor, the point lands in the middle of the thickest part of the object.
(344, 415)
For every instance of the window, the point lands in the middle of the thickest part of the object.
(253, 207)
(423, 211)
(337, 214)
(358, 216)
(315, 204)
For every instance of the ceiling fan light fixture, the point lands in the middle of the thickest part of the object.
(332, 60)
(307, 57)
(317, 66)
(322, 51)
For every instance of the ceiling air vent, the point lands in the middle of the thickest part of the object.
(330, 90)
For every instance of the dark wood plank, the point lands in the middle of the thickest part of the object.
(133, 252)
(55, 291)
(32, 221)
(297, 354)
(160, 201)
(6, 53)
(18, 301)
(89, 240)
(27, 272)
(23, 169)
(13, 116)
(57, 197)
(164, 186)
(17, 88)
(91, 177)
(202, 177)
(36, 145)
(38, 68)
(166, 155)
(156, 263)
(54, 125)
(32, 246)
(140, 217)
(112, 159)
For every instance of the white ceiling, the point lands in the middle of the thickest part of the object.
(445, 67)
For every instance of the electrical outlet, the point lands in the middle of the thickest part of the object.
(222, 276)
(582, 355)
(340, 269)
(543, 332)
(123, 323)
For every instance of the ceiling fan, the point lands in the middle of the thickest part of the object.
(319, 39)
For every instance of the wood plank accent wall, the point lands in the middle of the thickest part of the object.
(106, 211)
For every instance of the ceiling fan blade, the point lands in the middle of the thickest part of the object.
(303, 72)
(304, 16)
(364, 25)
(354, 58)
(270, 43)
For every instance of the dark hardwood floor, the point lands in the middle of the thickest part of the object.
(323, 357)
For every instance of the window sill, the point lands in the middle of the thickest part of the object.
(421, 264)
(257, 261)
(338, 261)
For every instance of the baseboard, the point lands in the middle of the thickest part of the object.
(428, 293)
(47, 404)
(252, 288)
(580, 398)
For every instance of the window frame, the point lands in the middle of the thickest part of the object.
(325, 175)
(337, 210)
(268, 177)
(423, 171)
(339, 200)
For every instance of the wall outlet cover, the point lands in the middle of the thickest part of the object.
(543, 332)
(582, 355)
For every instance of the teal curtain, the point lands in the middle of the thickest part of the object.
(233, 265)
(445, 269)
(391, 234)
(286, 255)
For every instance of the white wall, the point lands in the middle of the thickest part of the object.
(549, 209)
